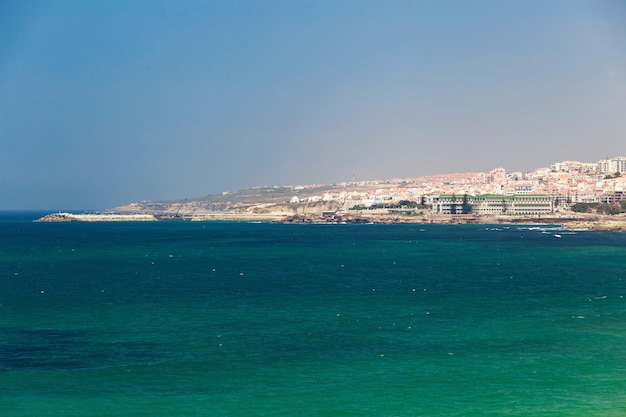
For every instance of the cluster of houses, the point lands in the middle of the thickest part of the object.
(497, 192)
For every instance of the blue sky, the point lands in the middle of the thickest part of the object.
(108, 102)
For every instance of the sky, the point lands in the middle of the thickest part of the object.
(106, 102)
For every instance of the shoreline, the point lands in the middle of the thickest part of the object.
(570, 222)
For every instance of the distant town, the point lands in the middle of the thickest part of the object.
(566, 183)
(568, 190)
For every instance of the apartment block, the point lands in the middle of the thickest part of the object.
(494, 204)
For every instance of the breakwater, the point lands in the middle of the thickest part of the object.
(95, 217)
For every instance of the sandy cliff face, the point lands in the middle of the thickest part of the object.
(208, 208)
(181, 207)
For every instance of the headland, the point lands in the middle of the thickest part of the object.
(573, 194)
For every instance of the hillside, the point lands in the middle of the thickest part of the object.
(260, 200)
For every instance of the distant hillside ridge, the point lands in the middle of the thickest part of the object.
(567, 182)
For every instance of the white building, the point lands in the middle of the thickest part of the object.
(494, 204)
(612, 166)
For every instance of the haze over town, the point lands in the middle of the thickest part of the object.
(108, 102)
(566, 183)
(570, 181)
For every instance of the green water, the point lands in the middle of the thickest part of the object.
(241, 319)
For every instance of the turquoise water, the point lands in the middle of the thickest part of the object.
(255, 319)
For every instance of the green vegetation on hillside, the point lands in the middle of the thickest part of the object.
(403, 204)
(600, 208)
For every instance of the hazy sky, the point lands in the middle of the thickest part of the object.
(108, 102)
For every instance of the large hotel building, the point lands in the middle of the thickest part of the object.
(494, 204)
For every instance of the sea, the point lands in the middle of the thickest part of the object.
(187, 318)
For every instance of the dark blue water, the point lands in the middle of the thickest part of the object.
(249, 319)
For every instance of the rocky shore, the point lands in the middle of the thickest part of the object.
(613, 223)
(607, 223)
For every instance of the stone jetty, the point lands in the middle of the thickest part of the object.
(93, 217)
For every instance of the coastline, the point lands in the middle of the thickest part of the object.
(123, 217)
(570, 221)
